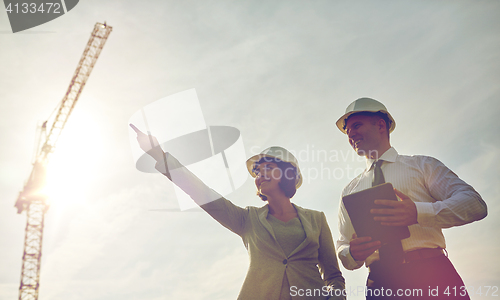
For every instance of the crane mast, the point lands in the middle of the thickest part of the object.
(31, 199)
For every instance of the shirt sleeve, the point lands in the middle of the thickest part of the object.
(328, 265)
(346, 231)
(224, 211)
(457, 203)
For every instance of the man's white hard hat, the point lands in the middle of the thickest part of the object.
(279, 153)
(368, 105)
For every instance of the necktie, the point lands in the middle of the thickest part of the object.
(391, 252)
(378, 175)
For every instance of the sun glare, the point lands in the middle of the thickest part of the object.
(73, 164)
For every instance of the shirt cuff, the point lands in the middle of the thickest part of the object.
(425, 214)
(348, 261)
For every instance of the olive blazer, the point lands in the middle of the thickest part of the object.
(311, 268)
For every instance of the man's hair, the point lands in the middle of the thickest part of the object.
(288, 176)
(375, 117)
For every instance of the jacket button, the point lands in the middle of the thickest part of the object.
(285, 261)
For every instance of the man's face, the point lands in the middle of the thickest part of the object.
(364, 134)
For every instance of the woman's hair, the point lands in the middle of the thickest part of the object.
(288, 176)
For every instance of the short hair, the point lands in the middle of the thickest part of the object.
(289, 176)
(378, 114)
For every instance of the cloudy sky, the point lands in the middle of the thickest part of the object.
(281, 72)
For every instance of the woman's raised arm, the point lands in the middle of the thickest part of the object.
(224, 211)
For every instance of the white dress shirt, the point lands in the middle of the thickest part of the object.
(442, 199)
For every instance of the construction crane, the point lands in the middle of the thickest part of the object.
(31, 199)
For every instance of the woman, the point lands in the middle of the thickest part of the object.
(291, 250)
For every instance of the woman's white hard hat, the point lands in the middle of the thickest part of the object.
(279, 153)
(364, 104)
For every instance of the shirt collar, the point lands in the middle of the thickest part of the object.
(390, 156)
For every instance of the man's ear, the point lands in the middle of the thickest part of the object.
(381, 125)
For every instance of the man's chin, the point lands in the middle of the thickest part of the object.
(361, 152)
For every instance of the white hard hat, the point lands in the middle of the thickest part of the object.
(364, 104)
(279, 153)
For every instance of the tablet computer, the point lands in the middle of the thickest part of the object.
(358, 206)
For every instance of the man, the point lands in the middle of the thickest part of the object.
(431, 197)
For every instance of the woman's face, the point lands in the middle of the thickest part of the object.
(268, 178)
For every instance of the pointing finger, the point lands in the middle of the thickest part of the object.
(135, 128)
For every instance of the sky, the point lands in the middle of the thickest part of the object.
(282, 73)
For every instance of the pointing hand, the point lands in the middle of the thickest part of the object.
(148, 144)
